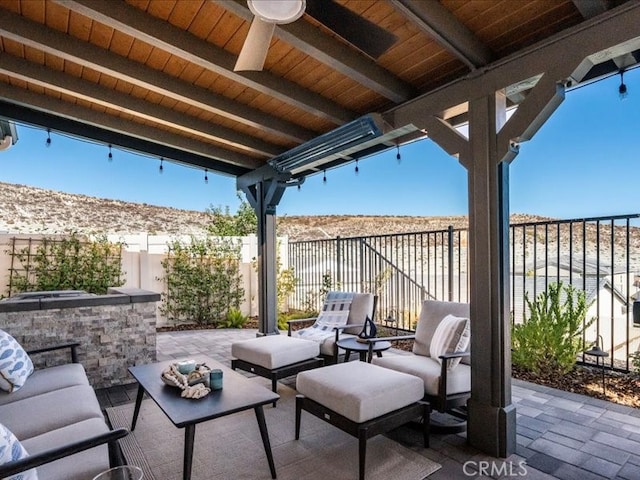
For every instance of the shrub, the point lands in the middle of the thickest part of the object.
(68, 263)
(283, 318)
(552, 337)
(234, 319)
(635, 361)
(203, 280)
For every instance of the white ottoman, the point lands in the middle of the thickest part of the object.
(363, 400)
(275, 356)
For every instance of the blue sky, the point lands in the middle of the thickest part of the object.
(583, 162)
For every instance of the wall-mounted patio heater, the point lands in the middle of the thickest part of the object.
(340, 142)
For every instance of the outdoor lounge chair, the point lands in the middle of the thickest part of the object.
(343, 315)
(440, 357)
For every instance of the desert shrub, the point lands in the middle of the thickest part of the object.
(203, 280)
(223, 224)
(552, 337)
(68, 263)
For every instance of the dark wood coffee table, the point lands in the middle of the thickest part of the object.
(238, 394)
(352, 345)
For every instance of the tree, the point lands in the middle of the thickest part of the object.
(224, 224)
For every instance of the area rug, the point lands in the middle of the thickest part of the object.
(230, 448)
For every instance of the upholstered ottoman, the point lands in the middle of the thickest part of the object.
(275, 356)
(363, 400)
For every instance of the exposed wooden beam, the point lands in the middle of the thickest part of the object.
(137, 24)
(558, 57)
(91, 92)
(312, 42)
(207, 155)
(440, 24)
(16, 27)
(449, 139)
(590, 8)
(533, 112)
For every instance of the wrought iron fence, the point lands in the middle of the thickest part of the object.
(599, 255)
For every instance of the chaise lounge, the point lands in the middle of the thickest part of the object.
(276, 356)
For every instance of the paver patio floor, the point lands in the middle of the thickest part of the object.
(559, 434)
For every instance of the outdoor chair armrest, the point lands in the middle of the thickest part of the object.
(373, 341)
(391, 339)
(338, 331)
(297, 321)
(71, 345)
(442, 386)
(448, 356)
(33, 461)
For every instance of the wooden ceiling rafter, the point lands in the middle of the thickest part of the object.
(339, 57)
(169, 65)
(444, 27)
(153, 31)
(25, 32)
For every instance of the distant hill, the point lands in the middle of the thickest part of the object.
(30, 210)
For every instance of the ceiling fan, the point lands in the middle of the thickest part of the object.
(266, 15)
(365, 35)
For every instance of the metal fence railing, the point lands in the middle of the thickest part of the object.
(598, 255)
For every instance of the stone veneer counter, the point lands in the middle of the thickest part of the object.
(115, 331)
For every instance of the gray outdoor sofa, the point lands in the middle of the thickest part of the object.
(57, 418)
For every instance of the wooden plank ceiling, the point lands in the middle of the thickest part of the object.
(158, 75)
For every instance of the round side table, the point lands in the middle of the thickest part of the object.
(352, 345)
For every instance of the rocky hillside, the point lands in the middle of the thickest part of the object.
(26, 209)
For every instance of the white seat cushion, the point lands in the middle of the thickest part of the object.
(428, 369)
(275, 351)
(47, 380)
(358, 390)
(42, 413)
(81, 466)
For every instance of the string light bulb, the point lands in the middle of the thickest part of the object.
(324, 177)
(47, 142)
(206, 176)
(357, 169)
(161, 168)
(622, 89)
(398, 156)
(110, 156)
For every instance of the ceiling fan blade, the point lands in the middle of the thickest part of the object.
(256, 45)
(358, 31)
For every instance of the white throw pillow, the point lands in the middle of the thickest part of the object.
(452, 335)
(15, 364)
(11, 449)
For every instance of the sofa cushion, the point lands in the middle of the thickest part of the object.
(42, 413)
(358, 390)
(15, 364)
(451, 335)
(80, 466)
(47, 380)
(431, 313)
(10, 450)
(328, 344)
(428, 369)
(361, 308)
(275, 351)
